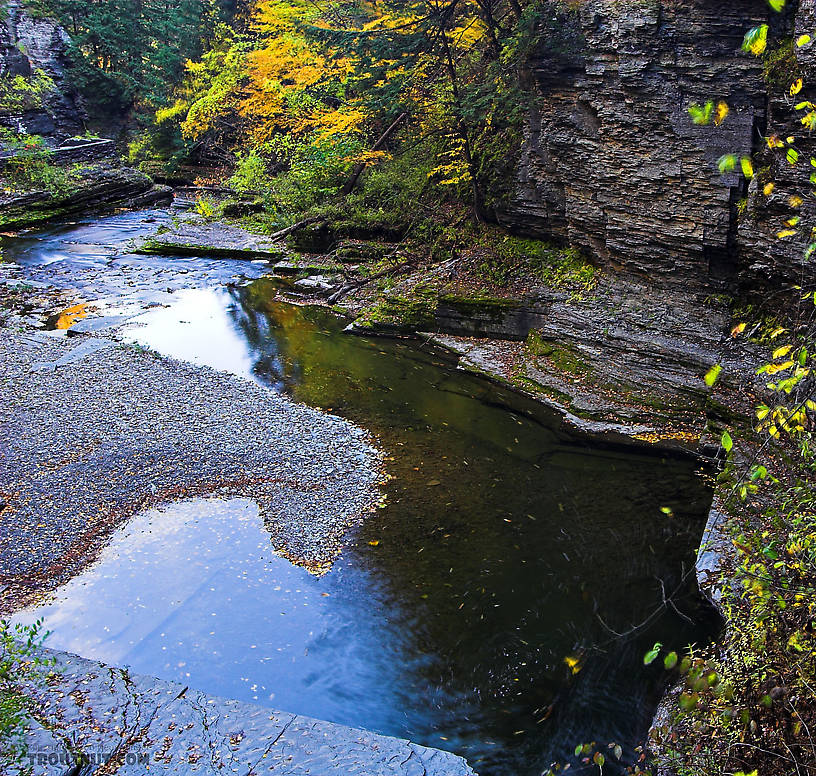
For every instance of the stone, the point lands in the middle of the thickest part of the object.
(117, 719)
(219, 240)
(613, 164)
(319, 285)
(26, 44)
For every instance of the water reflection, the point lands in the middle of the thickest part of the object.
(510, 549)
(474, 613)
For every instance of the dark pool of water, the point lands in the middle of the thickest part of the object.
(474, 613)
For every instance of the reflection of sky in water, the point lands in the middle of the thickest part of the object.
(197, 327)
(194, 592)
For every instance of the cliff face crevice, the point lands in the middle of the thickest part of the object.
(612, 162)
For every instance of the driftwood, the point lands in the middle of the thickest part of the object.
(294, 227)
(354, 285)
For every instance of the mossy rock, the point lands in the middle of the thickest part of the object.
(404, 315)
(315, 238)
(563, 357)
(363, 251)
(479, 304)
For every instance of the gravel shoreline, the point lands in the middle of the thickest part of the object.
(93, 432)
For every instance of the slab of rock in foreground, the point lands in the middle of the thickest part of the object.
(130, 724)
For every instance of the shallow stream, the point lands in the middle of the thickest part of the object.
(478, 611)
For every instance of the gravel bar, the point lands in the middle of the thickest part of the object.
(93, 432)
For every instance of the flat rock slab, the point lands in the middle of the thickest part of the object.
(215, 239)
(85, 349)
(96, 324)
(113, 720)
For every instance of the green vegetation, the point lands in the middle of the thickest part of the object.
(562, 357)
(19, 660)
(423, 99)
(401, 314)
(18, 93)
(28, 165)
(127, 53)
(751, 707)
(506, 258)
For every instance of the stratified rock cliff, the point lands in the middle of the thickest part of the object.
(613, 163)
(27, 45)
(37, 98)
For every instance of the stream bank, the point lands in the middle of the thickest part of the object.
(615, 354)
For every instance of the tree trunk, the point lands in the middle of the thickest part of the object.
(351, 182)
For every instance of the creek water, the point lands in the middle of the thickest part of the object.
(488, 608)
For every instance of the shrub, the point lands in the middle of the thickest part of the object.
(29, 166)
(19, 661)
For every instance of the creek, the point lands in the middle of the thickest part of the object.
(488, 608)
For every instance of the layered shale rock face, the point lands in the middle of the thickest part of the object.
(612, 162)
(31, 46)
(769, 263)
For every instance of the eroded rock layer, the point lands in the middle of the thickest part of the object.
(612, 161)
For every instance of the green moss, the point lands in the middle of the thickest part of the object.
(157, 247)
(363, 251)
(562, 357)
(760, 324)
(529, 384)
(494, 306)
(398, 313)
(506, 257)
(780, 67)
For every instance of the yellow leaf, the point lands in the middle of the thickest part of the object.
(747, 167)
(783, 351)
(738, 329)
(574, 663)
(796, 87)
(795, 201)
(768, 190)
(721, 113)
(802, 40)
(785, 233)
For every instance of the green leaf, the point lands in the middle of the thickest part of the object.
(701, 115)
(727, 442)
(579, 749)
(777, 5)
(599, 759)
(670, 661)
(756, 40)
(712, 375)
(652, 654)
(727, 163)
(689, 700)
